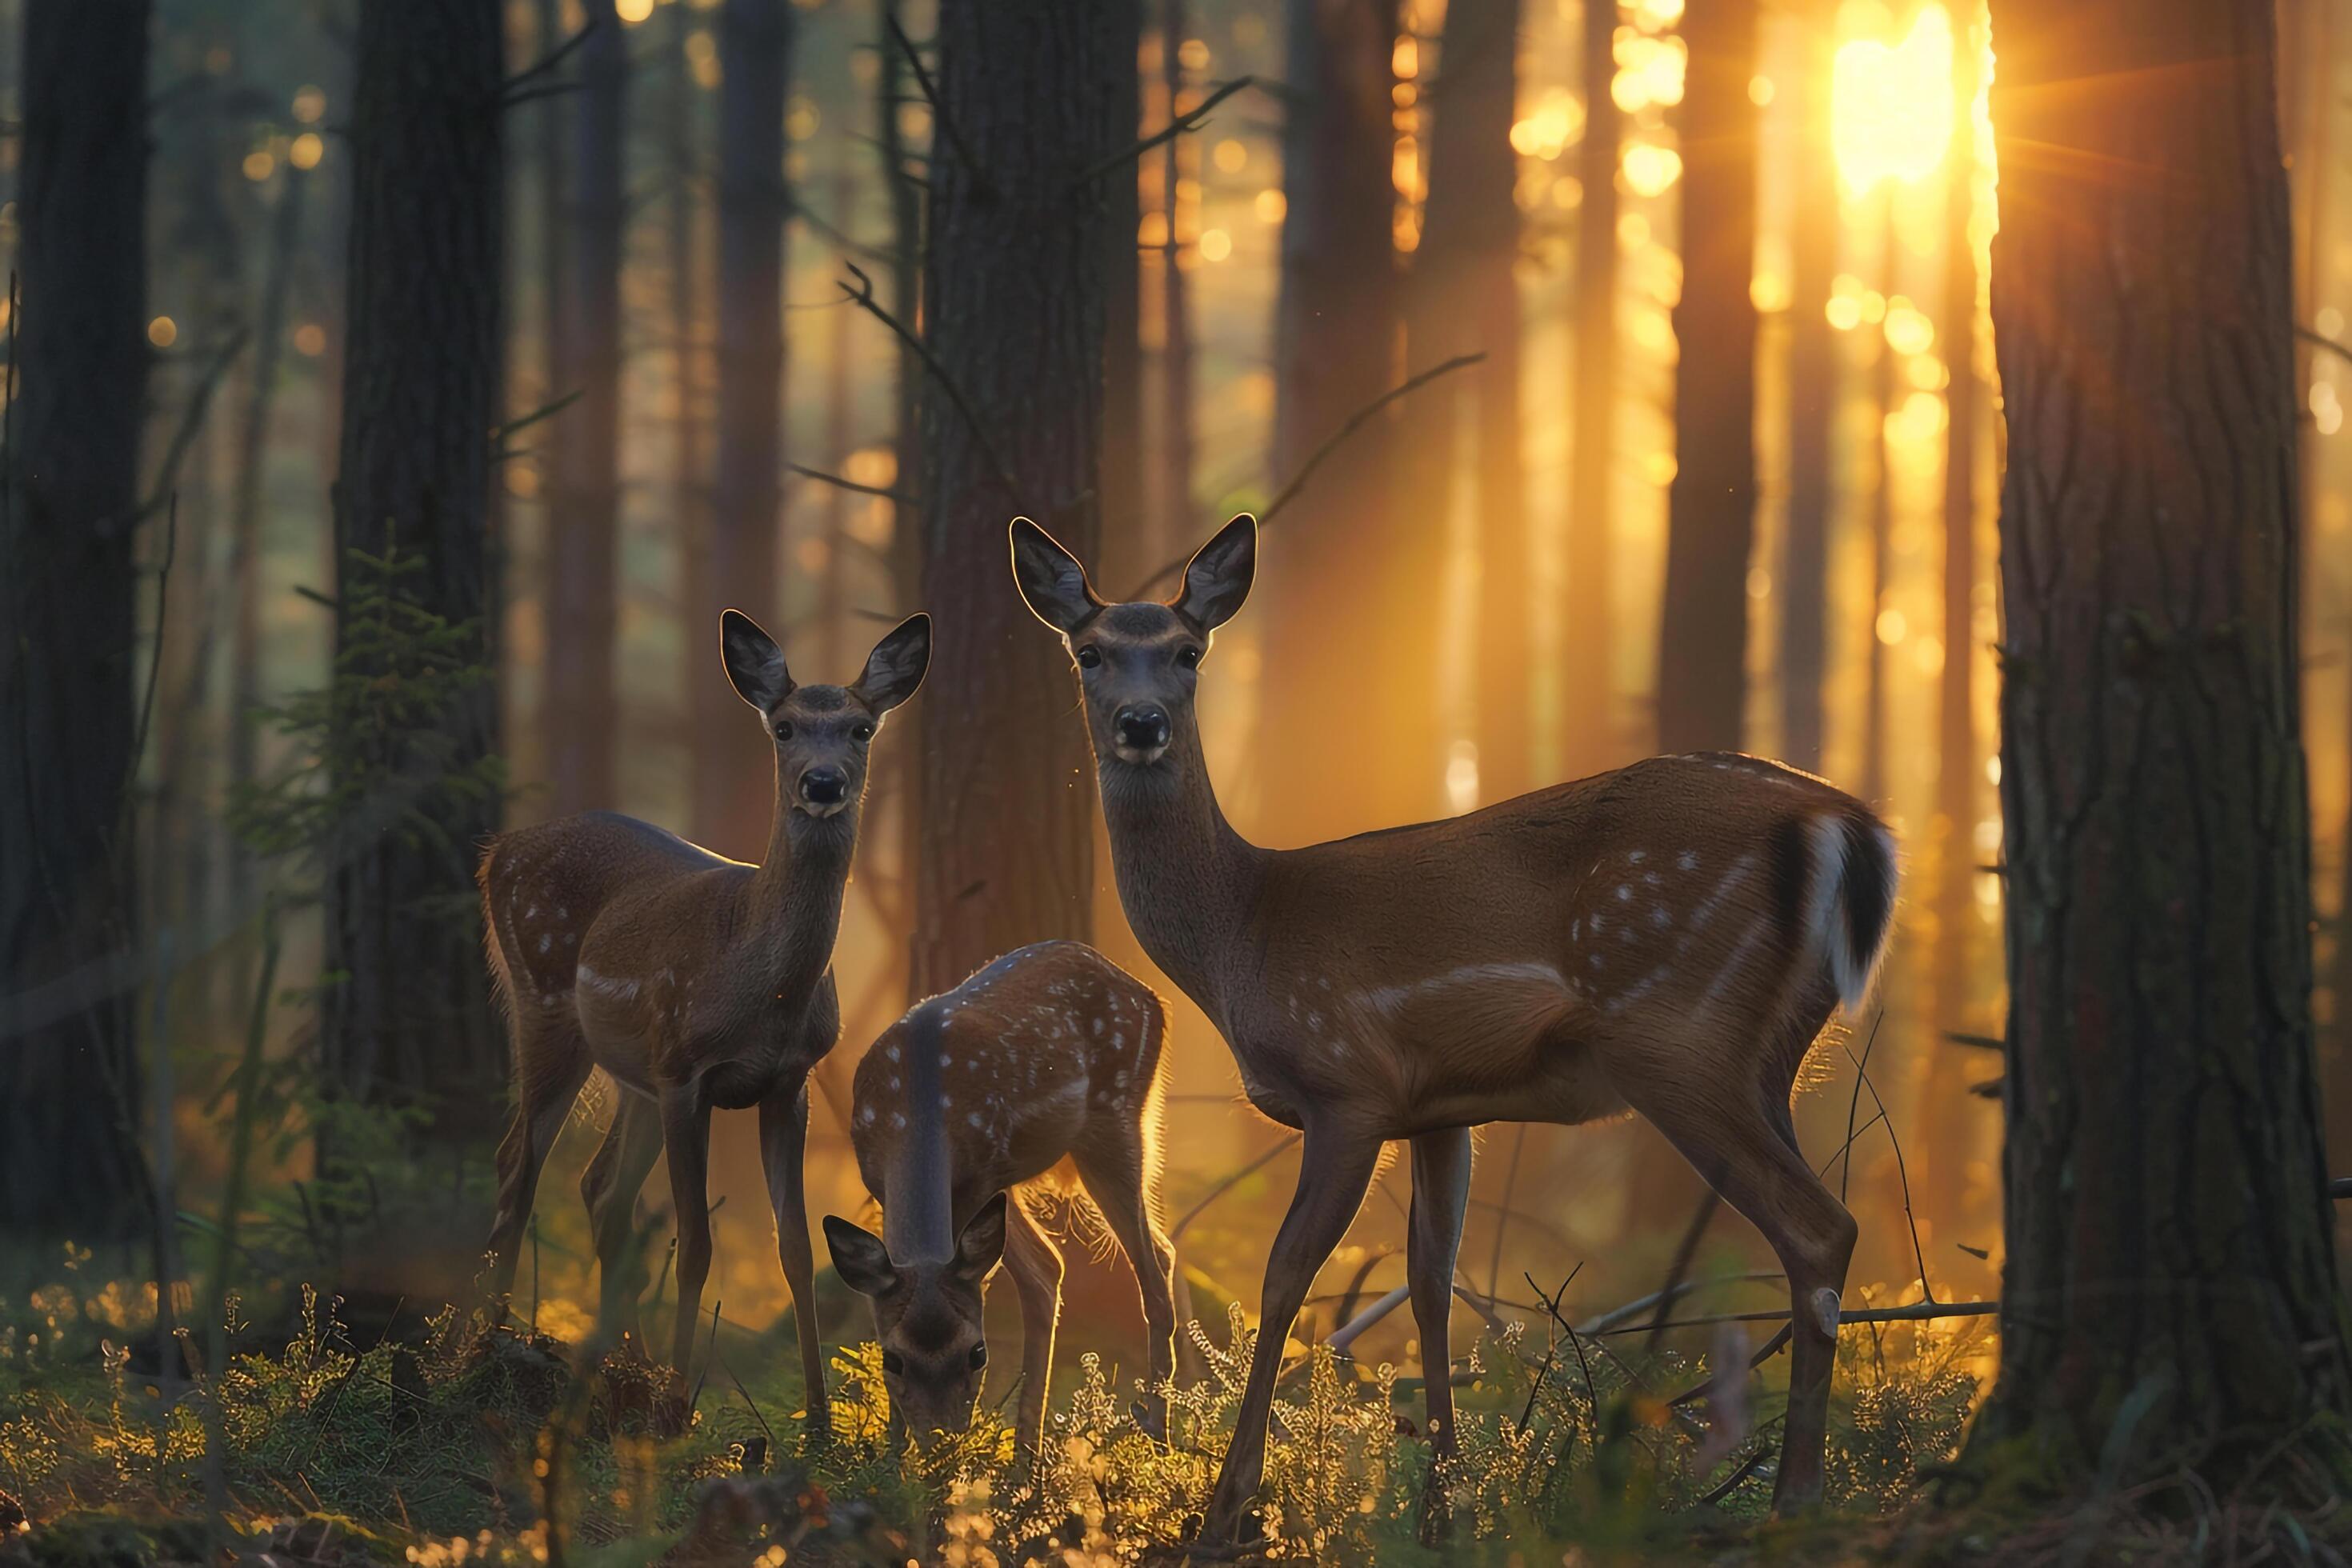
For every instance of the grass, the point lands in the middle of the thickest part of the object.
(481, 1443)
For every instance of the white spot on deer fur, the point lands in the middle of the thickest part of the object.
(545, 943)
(1098, 1029)
(1662, 917)
(1639, 989)
(894, 1083)
(1117, 1041)
(1598, 921)
(897, 1119)
(563, 914)
(973, 1119)
(866, 1115)
(946, 1060)
(1652, 879)
(1636, 856)
(1624, 892)
(891, 1053)
(1687, 860)
(1825, 1310)
(1596, 961)
(529, 912)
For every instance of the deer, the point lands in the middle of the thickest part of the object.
(1051, 1051)
(1669, 939)
(696, 982)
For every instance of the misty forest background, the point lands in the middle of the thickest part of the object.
(397, 392)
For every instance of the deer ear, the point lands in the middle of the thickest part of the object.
(895, 668)
(859, 1257)
(754, 663)
(982, 1241)
(1218, 579)
(1052, 580)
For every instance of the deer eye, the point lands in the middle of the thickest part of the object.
(1089, 657)
(979, 1357)
(1190, 658)
(785, 731)
(861, 731)
(893, 1362)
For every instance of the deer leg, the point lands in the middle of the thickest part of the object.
(1335, 1170)
(1035, 1265)
(549, 1072)
(783, 1151)
(686, 1138)
(1115, 1179)
(610, 1187)
(1731, 1140)
(1441, 1192)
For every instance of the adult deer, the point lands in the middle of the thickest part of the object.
(695, 981)
(1669, 937)
(1051, 1050)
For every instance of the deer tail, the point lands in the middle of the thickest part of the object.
(1851, 901)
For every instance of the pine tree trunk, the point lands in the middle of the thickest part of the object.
(1702, 642)
(1588, 730)
(1328, 560)
(1466, 300)
(1812, 407)
(1127, 532)
(71, 664)
(409, 1019)
(579, 716)
(1014, 300)
(2169, 1285)
(1175, 520)
(733, 771)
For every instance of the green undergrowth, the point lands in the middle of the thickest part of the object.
(487, 1445)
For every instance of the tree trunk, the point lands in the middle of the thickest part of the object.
(1703, 641)
(69, 1082)
(409, 1021)
(1466, 300)
(1175, 520)
(1126, 529)
(733, 783)
(1014, 313)
(2169, 1285)
(1590, 741)
(690, 457)
(579, 717)
(1327, 563)
(904, 763)
(1812, 407)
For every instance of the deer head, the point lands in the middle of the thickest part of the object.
(926, 1316)
(1137, 662)
(821, 732)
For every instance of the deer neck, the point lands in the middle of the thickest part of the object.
(1186, 882)
(791, 905)
(918, 1207)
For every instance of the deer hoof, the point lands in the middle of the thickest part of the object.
(1825, 1312)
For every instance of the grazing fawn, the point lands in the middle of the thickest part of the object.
(1050, 1050)
(1670, 937)
(695, 981)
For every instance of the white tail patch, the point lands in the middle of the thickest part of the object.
(1830, 916)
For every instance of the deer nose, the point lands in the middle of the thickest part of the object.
(824, 786)
(1142, 729)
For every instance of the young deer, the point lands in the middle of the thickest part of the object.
(1050, 1050)
(1669, 937)
(694, 980)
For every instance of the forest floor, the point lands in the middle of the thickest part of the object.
(468, 1443)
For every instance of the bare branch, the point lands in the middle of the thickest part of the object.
(904, 498)
(1190, 120)
(1176, 1231)
(939, 109)
(863, 297)
(546, 63)
(1918, 1311)
(1356, 422)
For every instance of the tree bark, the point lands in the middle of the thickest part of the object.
(2169, 1284)
(1014, 300)
(69, 664)
(1466, 300)
(1174, 518)
(409, 1019)
(1703, 641)
(904, 763)
(579, 715)
(1812, 407)
(1589, 732)
(733, 785)
(1127, 526)
(1336, 340)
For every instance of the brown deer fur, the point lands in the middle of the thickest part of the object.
(694, 981)
(1051, 1050)
(1669, 937)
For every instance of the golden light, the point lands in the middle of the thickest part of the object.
(1567, 192)
(258, 165)
(1216, 244)
(1657, 16)
(632, 12)
(1152, 232)
(1760, 91)
(1892, 626)
(1632, 231)
(1908, 329)
(800, 121)
(1659, 468)
(310, 340)
(1649, 170)
(1768, 292)
(2327, 411)
(1891, 104)
(306, 150)
(1649, 71)
(162, 332)
(876, 466)
(1194, 55)
(309, 104)
(1271, 204)
(1557, 124)
(1405, 60)
(1231, 156)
